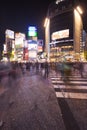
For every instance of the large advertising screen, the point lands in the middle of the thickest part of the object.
(60, 34)
(61, 26)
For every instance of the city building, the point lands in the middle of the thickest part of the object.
(64, 31)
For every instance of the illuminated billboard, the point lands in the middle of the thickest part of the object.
(61, 26)
(19, 40)
(32, 54)
(19, 45)
(32, 45)
(40, 45)
(9, 34)
(32, 31)
(25, 54)
(60, 34)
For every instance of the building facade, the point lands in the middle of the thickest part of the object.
(64, 31)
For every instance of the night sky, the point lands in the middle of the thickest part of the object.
(18, 15)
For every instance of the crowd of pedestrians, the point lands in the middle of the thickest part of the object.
(21, 68)
(68, 69)
(64, 69)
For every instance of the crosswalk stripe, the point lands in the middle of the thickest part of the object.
(76, 88)
(69, 87)
(71, 78)
(71, 95)
(74, 82)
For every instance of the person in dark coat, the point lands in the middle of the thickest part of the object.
(46, 66)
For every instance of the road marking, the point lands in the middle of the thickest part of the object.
(71, 82)
(71, 77)
(76, 88)
(71, 95)
(70, 87)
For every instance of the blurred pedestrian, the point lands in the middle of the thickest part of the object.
(23, 68)
(46, 66)
(81, 69)
(37, 66)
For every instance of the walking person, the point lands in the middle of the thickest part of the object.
(23, 68)
(46, 66)
(81, 69)
(37, 67)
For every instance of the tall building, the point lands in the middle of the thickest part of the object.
(64, 30)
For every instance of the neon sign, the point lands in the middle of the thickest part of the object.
(32, 31)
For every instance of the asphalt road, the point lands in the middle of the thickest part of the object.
(29, 103)
(71, 95)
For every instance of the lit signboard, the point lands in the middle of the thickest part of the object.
(40, 45)
(9, 34)
(32, 45)
(32, 31)
(60, 34)
(40, 42)
(32, 28)
(19, 40)
(32, 54)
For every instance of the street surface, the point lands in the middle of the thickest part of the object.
(29, 103)
(72, 99)
(32, 102)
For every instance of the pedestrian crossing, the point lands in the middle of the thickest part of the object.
(74, 88)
